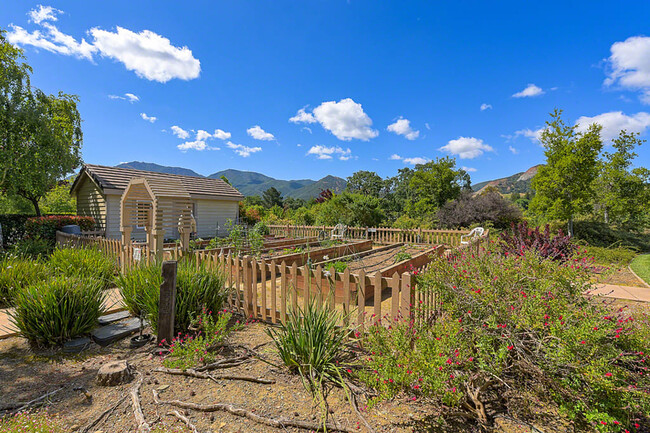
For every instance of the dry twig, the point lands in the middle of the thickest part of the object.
(103, 414)
(137, 409)
(185, 419)
(201, 375)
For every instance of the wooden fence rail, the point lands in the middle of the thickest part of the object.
(380, 235)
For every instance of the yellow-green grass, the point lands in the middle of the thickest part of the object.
(641, 266)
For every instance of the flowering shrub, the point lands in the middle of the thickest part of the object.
(46, 227)
(520, 238)
(25, 422)
(209, 332)
(512, 331)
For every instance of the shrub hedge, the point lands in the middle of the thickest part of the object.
(45, 227)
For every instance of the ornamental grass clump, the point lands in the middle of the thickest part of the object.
(17, 272)
(198, 287)
(509, 333)
(51, 312)
(84, 264)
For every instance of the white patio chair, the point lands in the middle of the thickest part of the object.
(476, 232)
(338, 232)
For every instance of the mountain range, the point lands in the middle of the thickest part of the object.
(251, 183)
(518, 182)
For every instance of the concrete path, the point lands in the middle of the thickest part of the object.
(639, 294)
(112, 303)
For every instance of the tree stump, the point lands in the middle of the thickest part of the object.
(115, 373)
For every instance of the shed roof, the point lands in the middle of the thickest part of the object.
(118, 178)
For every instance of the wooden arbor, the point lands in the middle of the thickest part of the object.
(157, 206)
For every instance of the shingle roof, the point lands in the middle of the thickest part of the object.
(118, 178)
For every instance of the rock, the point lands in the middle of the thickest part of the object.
(162, 388)
(105, 335)
(114, 317)
(115, 373)
(76, 345)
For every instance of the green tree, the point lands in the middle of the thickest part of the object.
(435, 183)
(293, 203)
(365, 182)
(350, 209)
(58, 200)
(271, 197)
(564, 185)
(621, 191)
(40, 134)
(225, 179)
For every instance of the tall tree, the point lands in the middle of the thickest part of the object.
(564, 185)
(621, 191)
(435, 183)
(40, 134)
(271, 197)
(365, 182)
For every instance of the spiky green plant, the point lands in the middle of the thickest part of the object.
(51, 312)
(136, 283)
(18, 272)
(84, 263)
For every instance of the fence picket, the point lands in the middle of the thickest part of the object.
(361, 299)
(263, 288)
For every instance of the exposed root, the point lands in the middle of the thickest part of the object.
(273, 422)
(201, 375)
(137, 409)
(225, 363)
(355, 406)
(185, 420)
(103, 414)
(37, 401)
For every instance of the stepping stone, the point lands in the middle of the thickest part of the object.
(77, 345)
(114, 317)
(105, 335)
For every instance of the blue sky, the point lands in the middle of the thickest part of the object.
(381, 85)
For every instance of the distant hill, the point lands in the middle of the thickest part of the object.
(252, 183)
(519, 182)
(150, 166)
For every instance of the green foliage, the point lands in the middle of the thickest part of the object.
(255, 242)
(618, 256)
(340, 265)
(41, 134)
(85, 264)
(402, 255)
(58, 200)
(641, 266)
(351, 209)
(564, 185)
(17, 272)
(54, 311)
(236, 236)
(262, 229)
(197, 288)
(599, 234)
(366, 183)
(45, 227)
(271, 197)
(32, 247)
(26, 422)
(311, 344)
(516, 326)
(209, 333)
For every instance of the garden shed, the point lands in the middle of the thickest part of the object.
(99, 191)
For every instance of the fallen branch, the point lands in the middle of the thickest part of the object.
(225, 363)
(185, 420)
(137, 409)
(103, 414)
(355, 406)
(273, 422)
(201, 375)
(18, 408)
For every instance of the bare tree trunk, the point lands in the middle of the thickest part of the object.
(37, 209)
(571, 226)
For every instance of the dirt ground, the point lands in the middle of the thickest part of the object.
(382, 259)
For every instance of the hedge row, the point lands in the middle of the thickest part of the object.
(17, 226)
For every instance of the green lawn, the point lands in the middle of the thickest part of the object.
(641, 266)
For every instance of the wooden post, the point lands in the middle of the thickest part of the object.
(167, 303)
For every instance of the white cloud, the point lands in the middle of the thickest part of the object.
(324, 152)
(486, 107)
(614, 121)
(202, 135)
(530, 91)
(241, 150)
(148, 54)
(306, 128)
(127, 97)
(195, 145)
(513, 150)
(148, 118)
(43, 13)
(403, 127)
(303, 117)
(629, 65)
(532, 135)
(180, 132)
(427, 125)
(412, 161)
(259, 134)
(469, 169)
(221, 134)
(345, 119)
(467, 147)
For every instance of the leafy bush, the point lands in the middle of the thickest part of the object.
(25, 422)
(402, 255)
(197, 288)
(13, 227)
(511, 332)
(601, 235)
(618, 256)
(311, 344)
(45, 227)
(32, 247)
(18, 272)
(84, 263)
(54, 311)
(200, 348)
(340, 265)
(262, 229)
(469, 209)
(520, 239)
